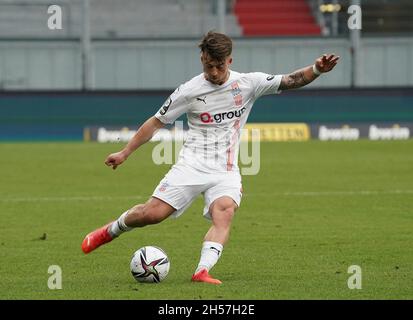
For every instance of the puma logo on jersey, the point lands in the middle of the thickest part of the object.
(203, 100)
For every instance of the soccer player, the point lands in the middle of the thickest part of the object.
(217, 103)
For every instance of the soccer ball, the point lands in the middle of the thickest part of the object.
(149, 264)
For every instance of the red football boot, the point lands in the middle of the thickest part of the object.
(203, 276)
(96, 238)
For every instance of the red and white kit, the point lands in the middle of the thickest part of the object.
(216, 114)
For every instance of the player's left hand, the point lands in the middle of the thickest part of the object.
(326, 63)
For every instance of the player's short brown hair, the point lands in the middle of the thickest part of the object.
(217, 45)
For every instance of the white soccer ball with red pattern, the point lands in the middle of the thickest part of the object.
(149, 264)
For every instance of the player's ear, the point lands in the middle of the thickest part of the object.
(229, 61)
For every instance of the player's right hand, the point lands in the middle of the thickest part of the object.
(326, 63)
(115, 159)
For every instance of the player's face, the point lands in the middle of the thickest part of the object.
(215, 72)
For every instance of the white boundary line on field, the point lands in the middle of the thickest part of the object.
(274, 194)
(74, 198)
(335, 193)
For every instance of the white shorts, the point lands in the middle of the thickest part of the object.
(182, 184)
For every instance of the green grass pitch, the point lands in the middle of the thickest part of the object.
(315, 209)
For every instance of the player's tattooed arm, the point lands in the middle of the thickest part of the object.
(306, 75)
(297, 79)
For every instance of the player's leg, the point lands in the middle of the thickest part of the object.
(222, 211)
(171, 197)
(152, 212)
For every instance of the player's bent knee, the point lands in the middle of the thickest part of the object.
(222, 216)
(228, 214)
(224, 204)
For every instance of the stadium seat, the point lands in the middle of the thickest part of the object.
(276, 18)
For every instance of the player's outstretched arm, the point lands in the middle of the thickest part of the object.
(306, 75)
(143, 135)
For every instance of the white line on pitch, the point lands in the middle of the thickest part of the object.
(273, 194)
(334, 193)
(75, 198)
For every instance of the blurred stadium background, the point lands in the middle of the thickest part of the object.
(114, 63)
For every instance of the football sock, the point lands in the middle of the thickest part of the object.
(118, 227)
(210, 253)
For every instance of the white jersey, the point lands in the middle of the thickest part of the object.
(216, 114)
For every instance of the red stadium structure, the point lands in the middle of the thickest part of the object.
(276, 18)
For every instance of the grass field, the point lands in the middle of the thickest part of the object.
(315, 209)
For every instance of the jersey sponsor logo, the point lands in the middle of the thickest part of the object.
(165, 108)
(269, 78)
(219, 117)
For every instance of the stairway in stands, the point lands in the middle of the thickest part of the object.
(276, 18)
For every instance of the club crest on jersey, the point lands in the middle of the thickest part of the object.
(236, 93)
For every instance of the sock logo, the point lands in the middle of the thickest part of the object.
(213, 248)
(121, 227)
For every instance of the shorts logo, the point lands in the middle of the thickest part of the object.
(219, 117)
(163, 186)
